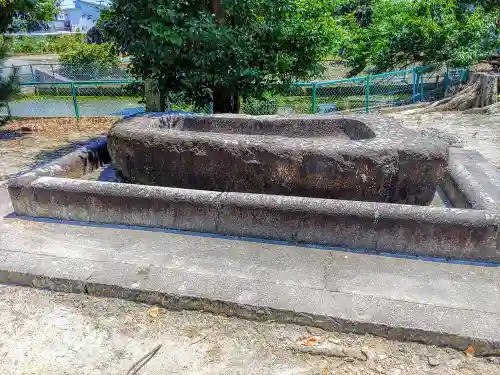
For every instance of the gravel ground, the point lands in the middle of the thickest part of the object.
(54, 333)
(27, 143)
(478, 132)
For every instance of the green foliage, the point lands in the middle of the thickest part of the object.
(361, 10)
(8, 10)
(243, 50)
(425, 32)
(36, 17)
(89, 61)
(45, 44)
(268, 105)
(45, 10)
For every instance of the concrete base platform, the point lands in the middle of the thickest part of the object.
(404, 299)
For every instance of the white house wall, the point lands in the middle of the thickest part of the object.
(83, 15)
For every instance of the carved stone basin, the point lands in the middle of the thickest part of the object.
(366, 158)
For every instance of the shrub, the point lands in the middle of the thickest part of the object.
(260, 107)
(45, 44)
(90, 61)
(135, 89)
(65, 43)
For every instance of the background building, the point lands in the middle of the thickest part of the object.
(79, 15)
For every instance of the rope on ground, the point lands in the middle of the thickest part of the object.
(141, 362)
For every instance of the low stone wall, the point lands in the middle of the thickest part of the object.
(472, 181)
(381, 227)
(365, 158)
(431, 231)
(74, 164)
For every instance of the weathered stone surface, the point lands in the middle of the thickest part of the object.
(355, 352)
(326, 349)
(430, 231)
(433, 361)
(443, 135)
(356, 158)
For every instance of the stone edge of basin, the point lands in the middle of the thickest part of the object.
(472, 181)
(389, 133)
(457, 233)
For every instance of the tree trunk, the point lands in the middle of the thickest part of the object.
(225, 102)
(481, 91)
(155, 98)
(218, 11)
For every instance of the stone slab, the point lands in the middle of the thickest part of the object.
(380, 227)
(399, 298)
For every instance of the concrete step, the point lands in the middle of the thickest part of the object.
(426, 300)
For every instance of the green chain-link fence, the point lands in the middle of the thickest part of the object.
(362, 94)
(76, 99)
(45, 73)
(52, 91)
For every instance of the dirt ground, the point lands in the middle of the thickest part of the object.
(27, 143)
(478, 132)
(54, 333)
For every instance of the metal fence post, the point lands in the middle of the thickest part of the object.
(414, 81)
(422, 87)
(32, 73)
(75, 102)
(313, 103)
(367, 94)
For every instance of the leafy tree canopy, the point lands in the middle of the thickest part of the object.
(362, 10)
(405, 32)
(34, 15)
(9, 9)
(216, 51)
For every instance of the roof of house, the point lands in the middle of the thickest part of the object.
(70, 4)
(102, 3)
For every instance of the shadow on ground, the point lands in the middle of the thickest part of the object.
(45, 156)
(7, 135)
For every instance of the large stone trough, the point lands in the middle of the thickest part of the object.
(366, 158)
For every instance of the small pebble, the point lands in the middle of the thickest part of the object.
(334, 341)
(371, 355)
(355, 353)
(452, 363)
(433, 361)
